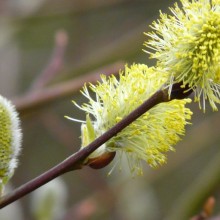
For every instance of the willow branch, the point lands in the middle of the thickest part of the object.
(75, 161)
(36, 99)
(55, 63)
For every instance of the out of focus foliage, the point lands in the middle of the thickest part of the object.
(100, 33)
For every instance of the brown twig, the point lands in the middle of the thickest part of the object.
(55, 63)
(75, 161)
(39, 98)
(207, 210)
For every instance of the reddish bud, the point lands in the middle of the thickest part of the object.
(101, 161)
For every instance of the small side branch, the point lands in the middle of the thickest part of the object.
(55, 63)
(39, 98)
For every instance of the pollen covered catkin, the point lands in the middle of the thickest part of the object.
(150, 136)
(186, 44)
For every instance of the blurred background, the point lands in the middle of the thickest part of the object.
(48, 50)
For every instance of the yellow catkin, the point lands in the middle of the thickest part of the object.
(187, 45)
(151, 135)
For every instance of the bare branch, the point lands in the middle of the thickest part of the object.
(55, 63)
(40, 98)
